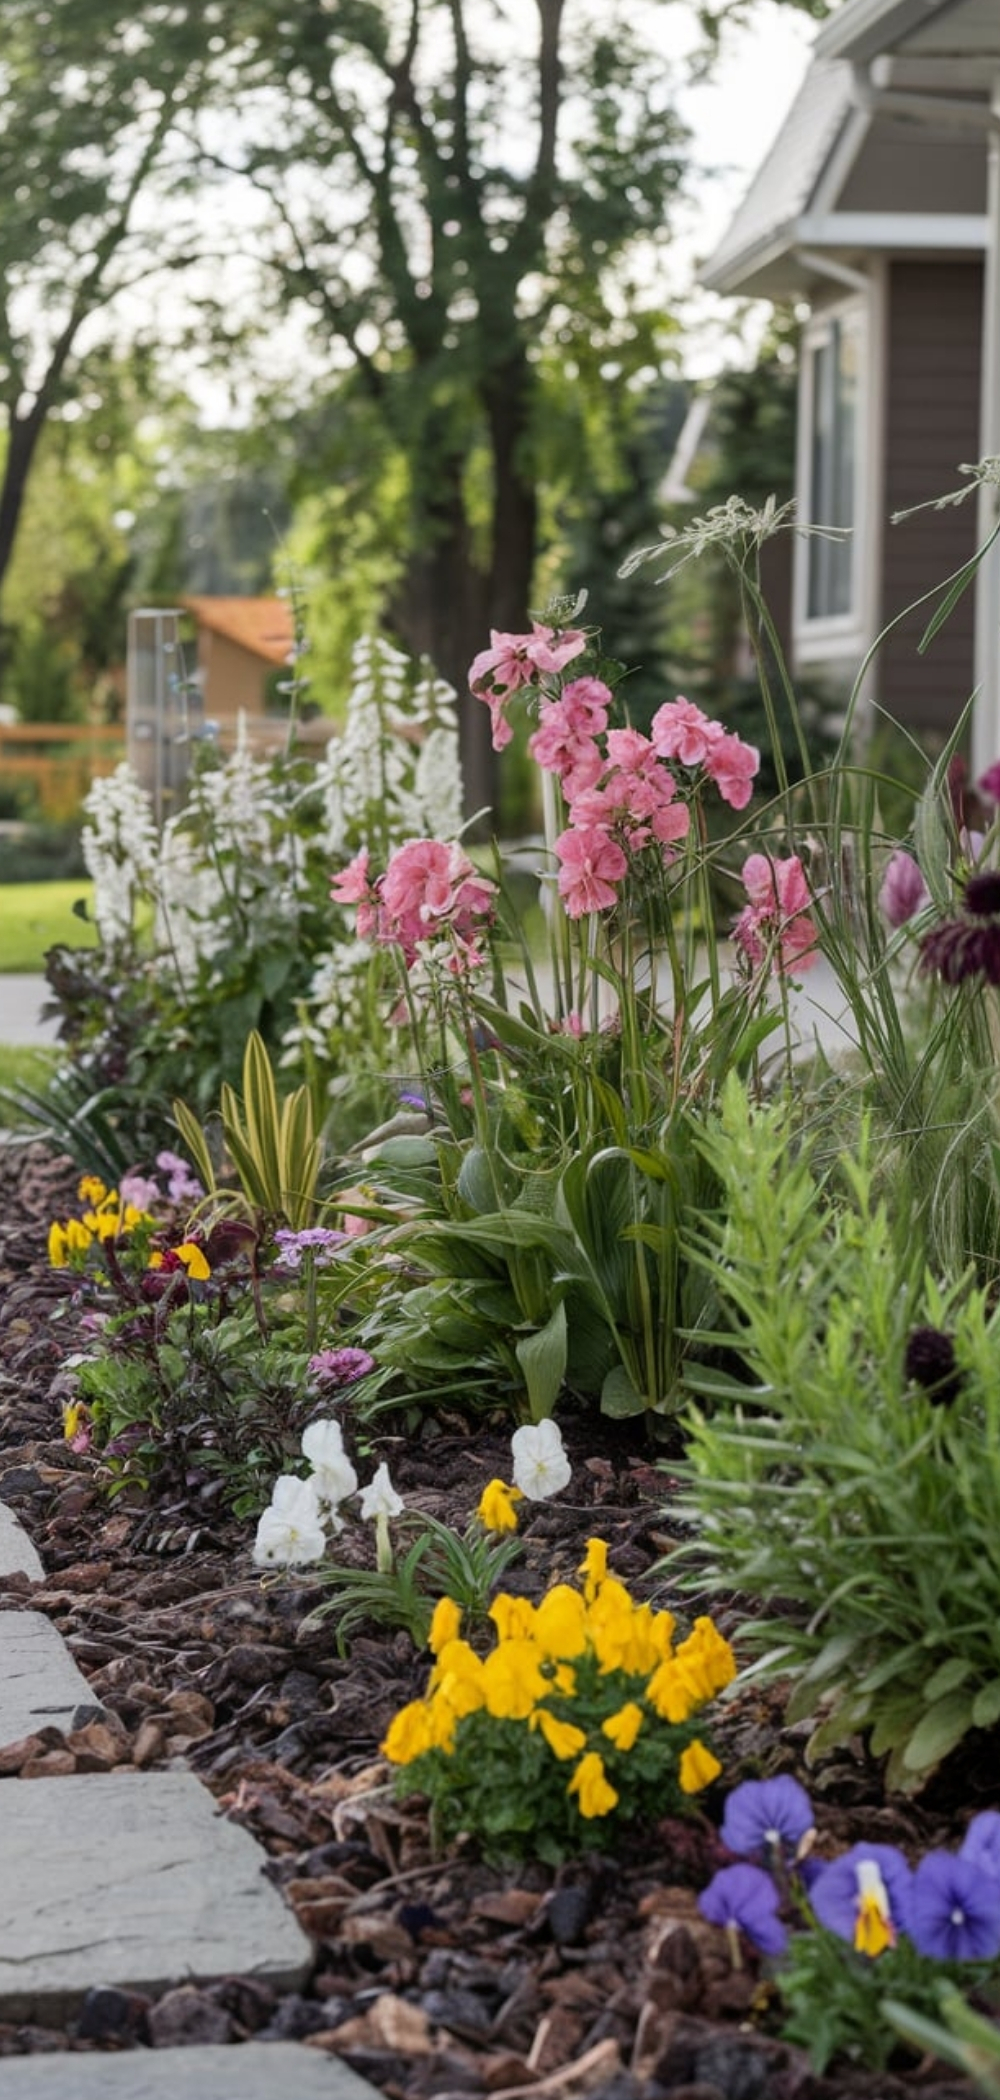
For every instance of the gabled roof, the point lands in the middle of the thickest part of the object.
(263, 626)
(785, 184)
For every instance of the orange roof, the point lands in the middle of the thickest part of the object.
(264, 626)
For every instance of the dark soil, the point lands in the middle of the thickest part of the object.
(443, 1978)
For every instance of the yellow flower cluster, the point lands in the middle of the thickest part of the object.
(543, 1652)
(105, 1218)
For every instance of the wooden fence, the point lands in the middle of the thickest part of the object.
(60, 759)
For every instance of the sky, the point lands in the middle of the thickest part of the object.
(734, 118)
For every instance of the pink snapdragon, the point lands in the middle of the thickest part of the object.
(680, 730)
(429, 888)
(775, 925)
(516, 660)
(591, 863)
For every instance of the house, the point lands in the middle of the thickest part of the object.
(877, 212)
(244, 646)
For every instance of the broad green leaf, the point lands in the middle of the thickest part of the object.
(947, 1678)
(542, 1358)
(986, 1705)
(619, 1397)
(941, 1728)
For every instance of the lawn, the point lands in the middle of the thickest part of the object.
(21, 1067)
(36, 915)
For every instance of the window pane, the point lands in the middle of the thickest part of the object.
(832, 468)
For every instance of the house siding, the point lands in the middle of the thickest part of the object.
(932, 403)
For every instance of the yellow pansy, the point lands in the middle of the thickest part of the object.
(409, 1733)
(58, 1245)
(622, 1728)
(513, 1617)
(74, 1416)
(496, 1510)
(670, 1694)
(91, 1190)
(189, 1254)
(594, 1567)
(512, 1680)
(714, 1654)
(445, 1622)
(609, 1620)
(563, 1739)
(697, 1768)
(595, 1794)
(561, 1622)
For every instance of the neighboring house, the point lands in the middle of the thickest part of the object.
(879, 209)
(242, 644)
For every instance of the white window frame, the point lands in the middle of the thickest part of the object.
(834, 635)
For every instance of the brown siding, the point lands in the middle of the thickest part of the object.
(931, 428)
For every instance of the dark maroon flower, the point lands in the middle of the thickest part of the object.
(982, 893)
(930, 1362)
(989, 783)
(960, 948)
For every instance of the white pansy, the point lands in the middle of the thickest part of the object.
(380, 1498)
(333, 1476)
(541, 1467)
(290, 1532)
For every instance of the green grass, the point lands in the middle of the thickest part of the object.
(35, 916)
(18, 1067)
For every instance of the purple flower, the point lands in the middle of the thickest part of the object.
(904, 891)
(321, 1241)
(408, 1100)
(340, 1366)
(746, 1897)
(182, 1185)
(981, 894)
(930, 1361)
(864, 1897)
(766, 1816)
(989, 783)
(981, 1843)
(954, 1909)
(961, 948)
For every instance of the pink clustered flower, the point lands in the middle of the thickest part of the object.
(775, 925)
(516, 660)
(430, 889)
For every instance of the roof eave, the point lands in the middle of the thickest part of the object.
(861, 29)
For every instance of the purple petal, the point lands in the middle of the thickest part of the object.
(954, 1909)
(766, 1815)
(746, 1897)
(835, 1894)
(981, 1842)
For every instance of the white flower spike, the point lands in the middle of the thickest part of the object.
(290, 1532)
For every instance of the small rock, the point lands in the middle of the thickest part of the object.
(108, 2015)
(568, 1913)
(186, 2018)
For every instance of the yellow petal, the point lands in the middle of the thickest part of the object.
(697, 1768)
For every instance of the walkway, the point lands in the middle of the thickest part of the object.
(129, 1881)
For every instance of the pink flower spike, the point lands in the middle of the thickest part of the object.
(776, 922)
(592, 863)
(989, 783)
(731, 765)
(351, 885)
(904, 891)
(680, 730)
(551, 649)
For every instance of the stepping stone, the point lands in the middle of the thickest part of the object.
(40, 1685)
(248, 2071)
(17, 1554)
(131, 1879)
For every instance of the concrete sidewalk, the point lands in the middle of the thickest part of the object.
(21, 1002)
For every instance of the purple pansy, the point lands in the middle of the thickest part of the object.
(954, 1911)
(868, 1883)
(981, 1843)
(746, 1897)
(766, 1816)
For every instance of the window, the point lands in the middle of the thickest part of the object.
(832, 354)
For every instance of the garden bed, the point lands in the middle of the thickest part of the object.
(433, 1977)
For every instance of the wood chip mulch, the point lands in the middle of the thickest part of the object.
(437, 1979)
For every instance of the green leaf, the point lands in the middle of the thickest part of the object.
(947, 1678)
(941, 1728)
(986, 1705)
(542, 1358)
(619, 1397)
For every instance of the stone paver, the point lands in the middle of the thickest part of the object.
(252, 2071)
(131, 1879)
(17, 1554)
(40, 1685)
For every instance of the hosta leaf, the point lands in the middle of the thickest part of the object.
(542, 1358)
(619, 1397)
